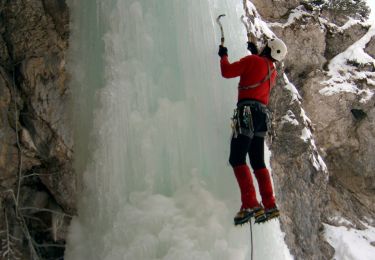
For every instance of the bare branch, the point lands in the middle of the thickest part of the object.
(48, 245)
(46, 210)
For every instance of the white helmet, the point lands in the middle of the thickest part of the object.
(278, 49)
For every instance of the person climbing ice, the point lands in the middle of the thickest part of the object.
(250, 123)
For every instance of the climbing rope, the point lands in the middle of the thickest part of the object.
(250, 37)
(251, 241)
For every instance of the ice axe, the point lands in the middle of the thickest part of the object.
(221, 28)
(250, 35)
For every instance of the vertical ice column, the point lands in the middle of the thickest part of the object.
(157, 183)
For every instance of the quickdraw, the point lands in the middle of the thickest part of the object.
(242, 122)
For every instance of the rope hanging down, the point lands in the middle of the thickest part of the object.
(251, 241)
(250, 38)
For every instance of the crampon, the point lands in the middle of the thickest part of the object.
(268, 215)
(244, 215)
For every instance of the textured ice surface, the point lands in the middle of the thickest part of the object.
(157, 184)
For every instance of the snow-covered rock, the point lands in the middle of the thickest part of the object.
(340, 38)
(306, 43)
(370, 47)
(274, 9)
(332, 69)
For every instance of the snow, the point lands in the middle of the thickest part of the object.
(259, 27)
(371, 4)
(343, 75)
(289, 118)
(295, 15)
(340, 221)
(306, 134)
(293, 90)
(350, 243)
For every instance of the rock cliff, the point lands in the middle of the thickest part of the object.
(330, 73)
(37, 181)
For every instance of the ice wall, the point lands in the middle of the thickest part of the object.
(152, 132)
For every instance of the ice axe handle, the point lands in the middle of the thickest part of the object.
(221, 28)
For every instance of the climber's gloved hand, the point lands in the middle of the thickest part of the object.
(223, 51)
(252, 48)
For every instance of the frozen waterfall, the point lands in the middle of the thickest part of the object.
(152, 133)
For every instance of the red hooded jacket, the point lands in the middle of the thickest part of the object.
(251, 69)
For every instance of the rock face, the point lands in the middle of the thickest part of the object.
(300, 175)
(37, 181)
(349, 146)
(339, 39)
(370, 48)
(274, 10)
(341, 120)
(306, 41)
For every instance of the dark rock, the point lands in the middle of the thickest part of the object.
(9, 156)
(59, 12)
(370, 47)
(358, 114)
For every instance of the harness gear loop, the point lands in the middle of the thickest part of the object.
(242, 121)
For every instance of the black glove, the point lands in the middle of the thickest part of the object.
(223, 51)
(252, 48)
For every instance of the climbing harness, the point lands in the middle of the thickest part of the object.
(267, 77)
(249, 25)
(221, 28)
(251, 118)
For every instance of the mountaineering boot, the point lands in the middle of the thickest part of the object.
(265, 188)
(245, 182)
(272, 213)
(244, 215)
(268, 215)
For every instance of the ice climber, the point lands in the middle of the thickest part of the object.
(250, 123)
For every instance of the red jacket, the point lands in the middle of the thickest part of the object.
(252, 69)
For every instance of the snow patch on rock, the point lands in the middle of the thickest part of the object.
(351, 243)
(344, 74)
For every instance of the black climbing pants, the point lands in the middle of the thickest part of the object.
(241, 146)
(250, 128)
